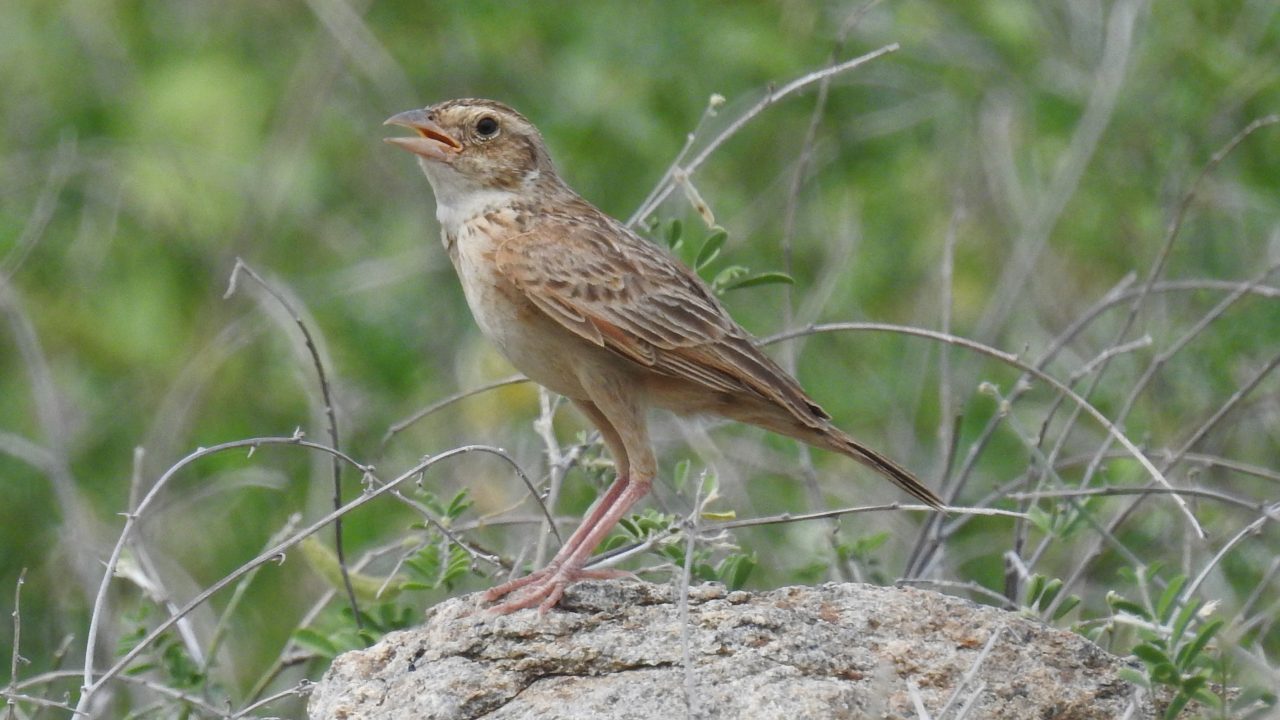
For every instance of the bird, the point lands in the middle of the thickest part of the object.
(590, 310)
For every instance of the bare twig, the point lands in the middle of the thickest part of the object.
(330, 413)
(446, 402)
(1012, 360)
(14, 657)
(946, 432)
(1110, 75)
(790, 518)
(1164, 356)
(771, 96)
(12, 698)
(1222, 411)
(99, 605)
(557, 465)
(302, 689)
(271, 555)
(1112, 491)
(691, 532)
(64, 163)
(224, 618)
(1250, 529)
(977, 589)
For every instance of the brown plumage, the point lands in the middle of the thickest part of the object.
(594, 312)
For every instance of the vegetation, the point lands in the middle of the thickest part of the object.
(1014, 200)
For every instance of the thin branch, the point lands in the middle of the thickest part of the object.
(60, 170)
(771, 96)
(271, 555)
(1222, 411)
(302, 689)
(99, 605)
(1100, 106)
(557, 466)
(13, 698)
(713, 104)
(446, 402)
(330, 413)
(1012, 360)
(224, 618)
(1113, 491)
(1250, 529)
(14, 657)
(784, 518)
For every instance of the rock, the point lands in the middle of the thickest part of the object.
(617, 649)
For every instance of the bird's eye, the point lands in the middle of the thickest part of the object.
(486, 127)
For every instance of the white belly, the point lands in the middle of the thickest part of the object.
(536, 345)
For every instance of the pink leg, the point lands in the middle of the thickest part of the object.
(593, 518)
(620, 419)
(550, 582)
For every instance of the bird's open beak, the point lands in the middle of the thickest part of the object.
(432, 142)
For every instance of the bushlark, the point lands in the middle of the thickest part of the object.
(592, 311)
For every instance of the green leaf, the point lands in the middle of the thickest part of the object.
(1034, 589)
(1176, 706)
(726, 276)
(1040, 519)
(765, 278)
(1121, 604)
(315, 642)
(735, 570)
(1183, 621)
(458, 505)
(868, 544)
(1209, 699)
(613, 542)
(1187, 656)
(674, 231)
(1051, 590)
(1165, 605)
(680, 477)
(1153, 656)
(1066, 606)
(1134, 677)
(710, 248)
(459, 565)
(628, 524)
(1193, 683)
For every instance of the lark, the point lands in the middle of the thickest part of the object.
(590, 310)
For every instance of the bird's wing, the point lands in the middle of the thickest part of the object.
(621, 292)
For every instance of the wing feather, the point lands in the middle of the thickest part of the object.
(621, 292)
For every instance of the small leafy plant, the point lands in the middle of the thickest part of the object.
(701, 254)
(1175, 635)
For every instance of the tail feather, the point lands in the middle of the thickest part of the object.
(818, 431)
(900, 476)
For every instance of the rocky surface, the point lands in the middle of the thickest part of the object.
(618, 649)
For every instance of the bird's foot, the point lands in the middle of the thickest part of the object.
(544, 587)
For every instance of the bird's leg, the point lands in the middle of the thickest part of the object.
(615, 410)
(566, 568)
(575, 540)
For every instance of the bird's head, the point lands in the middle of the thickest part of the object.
(469, 146)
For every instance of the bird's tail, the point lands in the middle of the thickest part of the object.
(819, 432)
(840, 442)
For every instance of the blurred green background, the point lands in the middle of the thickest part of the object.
(147, 145)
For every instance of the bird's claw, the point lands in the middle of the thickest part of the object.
(543, 588)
